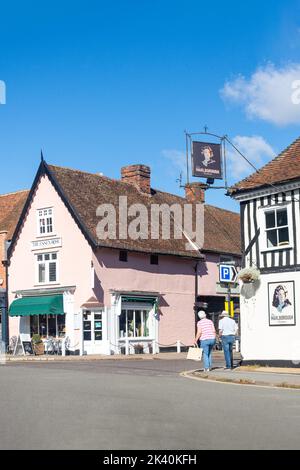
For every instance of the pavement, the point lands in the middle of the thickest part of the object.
(241, 375)
(139, 404)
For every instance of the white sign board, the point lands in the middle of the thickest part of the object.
(48, 243)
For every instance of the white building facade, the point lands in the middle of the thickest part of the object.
(270, 226)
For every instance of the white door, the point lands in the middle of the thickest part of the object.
(93, 331)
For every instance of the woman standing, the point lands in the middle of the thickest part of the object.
(207, 334)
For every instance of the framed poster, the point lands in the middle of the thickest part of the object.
(207, 160)
(282, 311)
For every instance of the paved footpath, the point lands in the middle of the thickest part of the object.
(261, 376)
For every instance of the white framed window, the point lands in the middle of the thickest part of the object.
(45, 222)
(277, 231)
(134, 323)
(47, 268)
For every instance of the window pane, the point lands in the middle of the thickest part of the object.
(270, 219)
(52, 272)
(34, 325)
(42, 271)
(43, 326)
(40, 257)
(51, 325)
(98, 325)
(98, 335)
(49, 224)
(87, 335)
(146, 322)
(282, 217)
(87, 325)
(272, 238)
(123, 324)
(283, 235)
(98, 316)
(130, 323)
(61, 325)
(42, 226)
(54, 256)
(138, 323)
(47, 257)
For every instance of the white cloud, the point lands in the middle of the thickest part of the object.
(177, 157)
(255, 149)
(269, 94)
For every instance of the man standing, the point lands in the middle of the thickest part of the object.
(227, 331)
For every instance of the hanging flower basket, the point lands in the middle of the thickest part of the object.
(249, 275)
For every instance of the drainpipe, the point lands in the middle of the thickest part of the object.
(196, 296)
(5, 327)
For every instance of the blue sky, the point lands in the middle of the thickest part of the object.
(98, 85)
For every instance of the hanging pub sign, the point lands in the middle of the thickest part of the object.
(207, 160)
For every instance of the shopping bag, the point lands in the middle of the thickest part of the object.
(195, 354)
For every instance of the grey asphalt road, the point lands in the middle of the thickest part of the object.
(139, 405)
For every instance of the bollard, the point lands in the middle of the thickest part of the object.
(237, 346)
(126, 347)
(178, 346)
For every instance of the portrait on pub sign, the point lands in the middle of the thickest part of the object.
(206, 160)
(282, 303)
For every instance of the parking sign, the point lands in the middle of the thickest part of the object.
(227, 273)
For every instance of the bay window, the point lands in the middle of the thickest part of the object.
(134, 323)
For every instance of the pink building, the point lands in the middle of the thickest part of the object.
(116, 294)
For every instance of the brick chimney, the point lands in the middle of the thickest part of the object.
(138, 176)
(195, 192)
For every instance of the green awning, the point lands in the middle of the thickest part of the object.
(43, 305)
(132, 298)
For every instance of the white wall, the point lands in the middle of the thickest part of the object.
(259, 340)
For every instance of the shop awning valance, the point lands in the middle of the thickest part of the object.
(42, 305)
(142, 299)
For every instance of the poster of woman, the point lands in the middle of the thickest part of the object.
(282, 303)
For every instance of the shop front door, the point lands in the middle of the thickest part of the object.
(93, 332)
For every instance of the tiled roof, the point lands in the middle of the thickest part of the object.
(11, 206)
(284, 168)
(86, 191)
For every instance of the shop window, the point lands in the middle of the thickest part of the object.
(47, 268)
(45, 221)
(277, 230)
(134, 323)
(48, 325)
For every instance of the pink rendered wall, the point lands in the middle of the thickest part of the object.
(74, 257)
(173, 278)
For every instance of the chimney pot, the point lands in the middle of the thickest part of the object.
(195, 192)
(139, 176)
